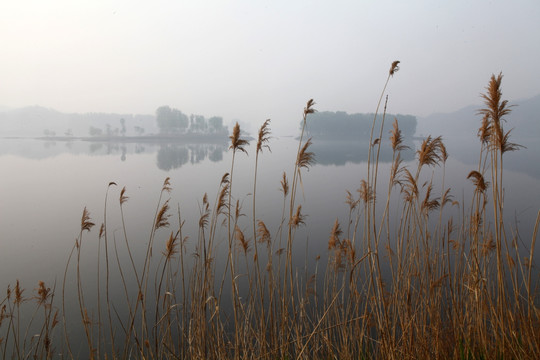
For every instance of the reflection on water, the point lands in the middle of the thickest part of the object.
(339, 152)
(169, 155)
(173, 155)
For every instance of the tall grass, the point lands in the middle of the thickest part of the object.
(442, 279)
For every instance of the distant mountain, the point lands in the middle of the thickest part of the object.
(524, 119)
(459, 131)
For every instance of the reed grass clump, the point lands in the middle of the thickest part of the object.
(423, 284)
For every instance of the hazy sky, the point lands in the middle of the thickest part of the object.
(252, 60)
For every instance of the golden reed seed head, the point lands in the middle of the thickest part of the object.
(478, 181)
(224, 179)
(166, 185)
(306, 158)
(309, 107)
(263, 233)
(123, 197)
(18, 293)
(101, 230)
(431, 152)
(394, 68)
(171, 247)
(336, 232)
(239, 235)
(43, 292)
(162, 219)
(86, 224)
(298, 217)
(236, 142)
(284, 185)
(264, 136)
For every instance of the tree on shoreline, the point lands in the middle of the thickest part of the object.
(171, 120)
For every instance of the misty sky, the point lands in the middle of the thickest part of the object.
(252, 60)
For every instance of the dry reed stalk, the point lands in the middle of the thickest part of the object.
(262, 142)
(304, 158)
(237, 144)
(493, 117)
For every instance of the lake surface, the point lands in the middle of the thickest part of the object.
(46, 185)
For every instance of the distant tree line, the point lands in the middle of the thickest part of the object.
(340, 125)
(109, 130)
(174, 121)
(112, 132)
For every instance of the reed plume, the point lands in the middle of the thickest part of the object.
(396, 138)
(478, 180)
(496, 108)
(264, 137)
(244, 243)
(43, 293)
(86, 224)
(237, 143)
(430, 204)
(394, 68)
(298, 218)
(171, 246)
(284, 185)
(166, 185)
(263, 233)
(335, 234)
(309, 107)
(306, 158)
(222, 205)
(123, 197)
(18, 293)
(162, 219)
(432, 152)
(366, 192)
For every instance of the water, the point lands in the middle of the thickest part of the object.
(46, 185)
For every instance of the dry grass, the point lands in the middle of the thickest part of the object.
(421, 285)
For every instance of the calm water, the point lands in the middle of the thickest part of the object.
(45, 186)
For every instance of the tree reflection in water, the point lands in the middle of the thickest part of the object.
(173, 156)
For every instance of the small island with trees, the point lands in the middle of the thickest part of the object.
(172, 124)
